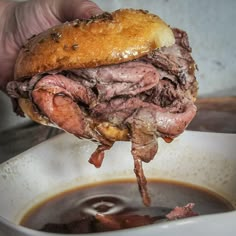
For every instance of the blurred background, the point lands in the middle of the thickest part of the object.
(212, 33)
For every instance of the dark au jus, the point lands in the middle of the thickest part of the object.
(116, 205)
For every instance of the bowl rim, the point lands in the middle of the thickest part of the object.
(199, 220)
(162, 226)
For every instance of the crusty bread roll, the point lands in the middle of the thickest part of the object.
(121, 36)
(28, 108)
(107, 39)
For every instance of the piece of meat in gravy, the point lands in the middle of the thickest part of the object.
(110, 222)
(182, 212)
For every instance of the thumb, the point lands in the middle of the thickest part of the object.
(33, 17)
(73, 9)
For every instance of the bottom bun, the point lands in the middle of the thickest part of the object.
(29, 110)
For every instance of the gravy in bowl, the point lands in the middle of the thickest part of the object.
(116, 205)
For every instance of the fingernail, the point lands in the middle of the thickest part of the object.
(93, 11)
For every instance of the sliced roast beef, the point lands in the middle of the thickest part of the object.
(129, 79)
(151, 97)
(176, 63)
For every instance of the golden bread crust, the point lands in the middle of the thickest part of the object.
(113, 38)
(111, 132)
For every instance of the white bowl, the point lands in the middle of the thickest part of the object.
(202, 159)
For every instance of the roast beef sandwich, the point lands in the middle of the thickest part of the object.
(121, 76)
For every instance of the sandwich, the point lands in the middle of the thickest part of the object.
(120, 76)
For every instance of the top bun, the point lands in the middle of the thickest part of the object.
(105, 39)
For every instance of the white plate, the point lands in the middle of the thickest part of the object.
(204, 159)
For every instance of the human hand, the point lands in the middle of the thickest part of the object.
(22, 20)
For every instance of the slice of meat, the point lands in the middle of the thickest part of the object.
(145, 125)
(97, 157)
(124, 221)
(117, 110)
(163, 121)
(129, 78)
(176, 63)
(182, 212)
(141, 180)
(144, 141)
(58, 97)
